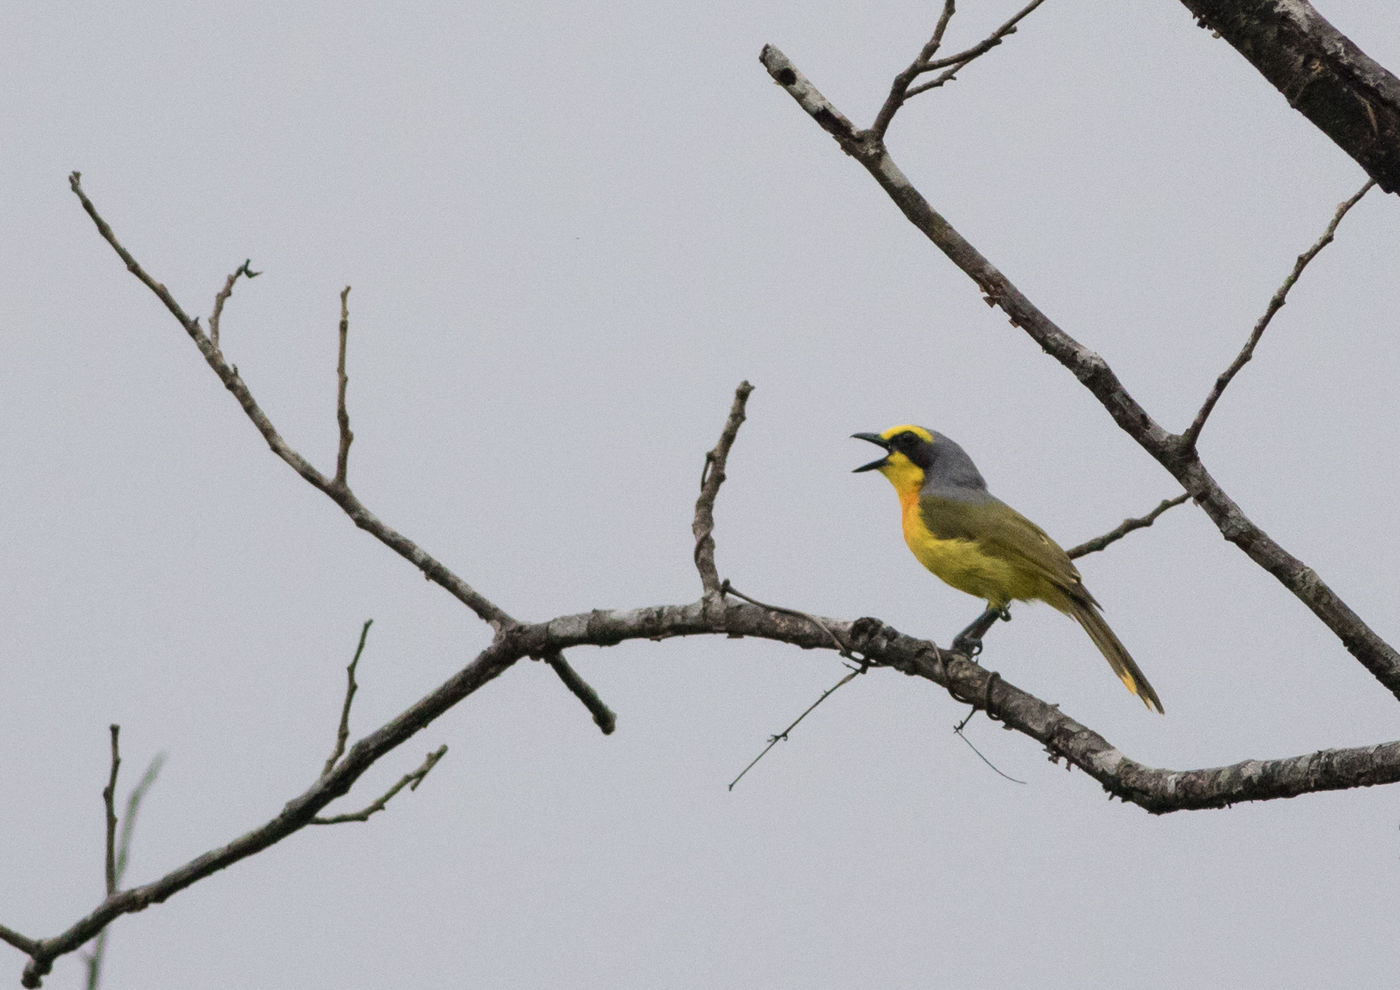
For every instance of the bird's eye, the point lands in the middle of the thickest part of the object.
(905, 440)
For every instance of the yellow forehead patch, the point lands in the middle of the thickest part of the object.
(918, 431)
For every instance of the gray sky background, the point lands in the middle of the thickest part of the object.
(571, 230)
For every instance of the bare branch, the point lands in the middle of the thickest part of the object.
(342, 733)
(109, 802)
(899, 89)
(223, 295)
(411, 780)
(1156, 790)
(432, 569)
(1193, 432)
(1094, 374)
(902, 88)
(953, 64)
(604, 716)
(1125, 527)
(710, 479)
(782, 736)
(23, 943)
(1347, 95)
(133, 805)
(342, 415)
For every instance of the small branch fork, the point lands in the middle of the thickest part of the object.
(903, 87)
(337, 487)
(1172, 451)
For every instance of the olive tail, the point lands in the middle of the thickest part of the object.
(1115, 653)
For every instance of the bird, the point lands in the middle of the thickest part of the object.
(978, 544)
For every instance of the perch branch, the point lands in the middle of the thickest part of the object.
(1093, 373)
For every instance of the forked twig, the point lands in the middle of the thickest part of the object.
(953, 64)
(903, 88)
(334, 487)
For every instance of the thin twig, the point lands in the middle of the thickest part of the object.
(899, 88)
(711, 478)
(333, 487)
(956, 63)
(433, 569)
(109, 800)
(728, 589)
(223, 295)
(23, 943)
(1193, 432)
(604, 716)
(342, 732)
(1126, 527)
(342, 415)
(958, 729)
(409, 780)
(903, 88)
(782, 736)
(133, 804)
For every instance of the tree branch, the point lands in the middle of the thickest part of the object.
(1193, 432)
(1347, 95)
(342, 733)
(133, 805)
(432, 569)
(1093, 372)
(1125, 527)
(1155, 790)
(223, 295)
(711, 478)
(342, 415)
(109, 803)
(409, 780)
(903, 89)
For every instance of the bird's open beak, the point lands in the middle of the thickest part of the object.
(878, 441)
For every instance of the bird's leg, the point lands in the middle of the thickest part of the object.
(969, 641)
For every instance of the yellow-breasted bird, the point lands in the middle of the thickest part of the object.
(979, 544)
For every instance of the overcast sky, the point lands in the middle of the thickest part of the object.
(571, 230)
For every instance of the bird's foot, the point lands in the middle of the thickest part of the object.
(969, 645)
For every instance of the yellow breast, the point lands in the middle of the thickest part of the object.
(964, 564)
